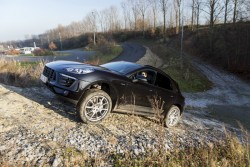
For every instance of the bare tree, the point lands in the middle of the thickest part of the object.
(197, 12)
(171, 24)
(177, 7)
(214, 9)
(101, 19)
(176, 18)
(154, 6)
(135, 12)
(142, 8)
(94, 15)
(124, 6)
(226, 3)
(113, 19)
(163, 6)
(235, 4)
(105, 16)
(239, 7)
(195, 16)
(248, 6)
(193, 13)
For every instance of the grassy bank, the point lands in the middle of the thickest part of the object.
(20, 74)
(188, 78)
(104, 57)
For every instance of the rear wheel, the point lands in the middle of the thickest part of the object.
(95, 106)
(172, 117)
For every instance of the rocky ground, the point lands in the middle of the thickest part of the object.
(38, 128)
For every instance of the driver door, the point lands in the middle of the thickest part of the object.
(139, 93)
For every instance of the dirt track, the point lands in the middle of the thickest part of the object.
(228, 100)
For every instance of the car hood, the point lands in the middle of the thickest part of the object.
(61, 65)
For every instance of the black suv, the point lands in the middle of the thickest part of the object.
(116, 86)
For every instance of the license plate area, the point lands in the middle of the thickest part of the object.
(43, 78)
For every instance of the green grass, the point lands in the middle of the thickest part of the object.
(100, 58)
(26, 54)
(188, 77)
(61, 54)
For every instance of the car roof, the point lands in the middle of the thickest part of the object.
(126, 63)
(139, 67)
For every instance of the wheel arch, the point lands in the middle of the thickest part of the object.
(180, 107)
(102, 85)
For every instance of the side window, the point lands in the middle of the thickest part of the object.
(148, 76)
(163, 82)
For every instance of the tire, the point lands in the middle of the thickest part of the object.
(172, 117)
(95, 106)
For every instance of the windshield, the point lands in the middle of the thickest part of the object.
(121, 67)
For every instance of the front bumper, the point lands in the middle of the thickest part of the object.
(64, 85)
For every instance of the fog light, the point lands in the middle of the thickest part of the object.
(65, 93)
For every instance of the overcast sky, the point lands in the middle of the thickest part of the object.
(26, 17)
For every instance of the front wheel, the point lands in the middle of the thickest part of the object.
(172, 117)
(95, 106)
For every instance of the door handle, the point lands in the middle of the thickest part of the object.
(150, 90)
(123, 84)
(171, 96)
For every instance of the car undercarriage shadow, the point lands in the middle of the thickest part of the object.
(49, 100)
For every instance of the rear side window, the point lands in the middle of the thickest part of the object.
(163, 82)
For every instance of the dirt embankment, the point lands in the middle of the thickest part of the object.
(38, 128)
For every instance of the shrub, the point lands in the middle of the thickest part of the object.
(43, 52)
(13, 52)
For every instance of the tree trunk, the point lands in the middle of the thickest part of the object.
(164, 24)
(211, 27)
(235, 11)
(143, 26)
(176, 22)
(212, 3)
(192, 19)
(198, 15)
(225, 15)
(179, 15)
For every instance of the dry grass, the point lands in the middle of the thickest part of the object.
(230, 152)
(15, 74)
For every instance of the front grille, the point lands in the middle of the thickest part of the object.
(65, 80)
(50, 73)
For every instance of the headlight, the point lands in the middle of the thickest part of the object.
(80, 70)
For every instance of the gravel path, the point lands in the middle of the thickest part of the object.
(228, 101)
